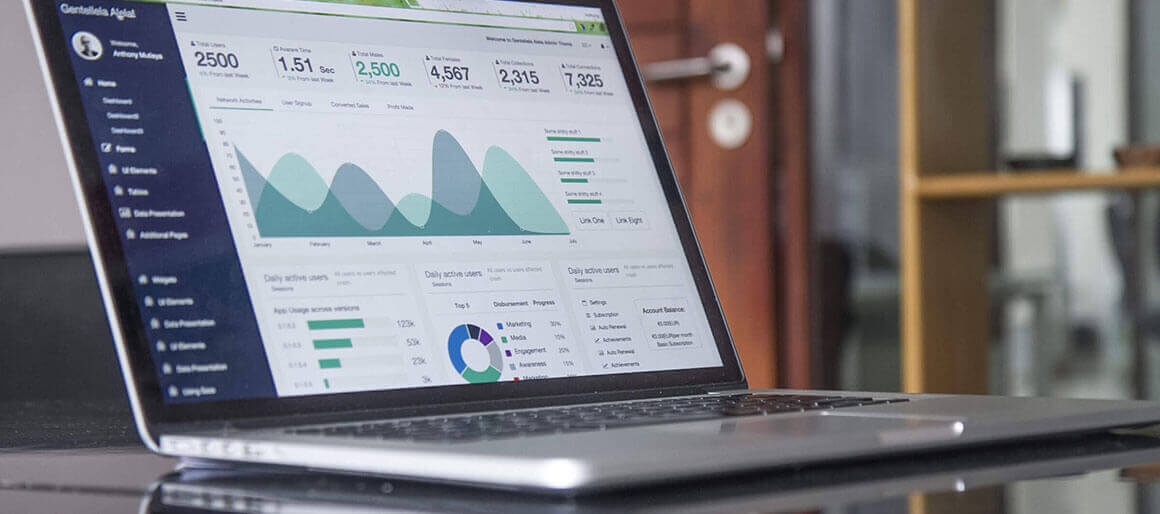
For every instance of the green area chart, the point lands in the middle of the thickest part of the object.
(293, 200)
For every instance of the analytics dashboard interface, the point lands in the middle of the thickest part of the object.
(323, 197)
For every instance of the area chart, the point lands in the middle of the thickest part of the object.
(293, 200)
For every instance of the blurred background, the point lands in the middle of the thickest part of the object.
(891, 194)
(801, 133)
(1030, 263)
(783, 119)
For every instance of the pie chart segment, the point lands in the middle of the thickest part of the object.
(476, 377)
(473, 334)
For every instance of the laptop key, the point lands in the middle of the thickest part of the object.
(742, 411)
(839, 405)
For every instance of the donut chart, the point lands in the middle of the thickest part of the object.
(472, 334)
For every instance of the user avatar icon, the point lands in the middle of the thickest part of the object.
(87, 46)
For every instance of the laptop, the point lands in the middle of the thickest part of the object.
(885, 486)
(431, 239)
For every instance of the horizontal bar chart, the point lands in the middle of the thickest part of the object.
(573, 139)
(354, 342)
(380, 362)
(335, 324)
(360, 382)
(332, 344)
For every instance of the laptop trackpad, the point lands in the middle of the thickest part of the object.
(887, 429)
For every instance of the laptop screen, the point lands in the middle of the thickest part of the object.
(319, 197)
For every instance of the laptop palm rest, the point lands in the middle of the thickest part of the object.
(887, 429)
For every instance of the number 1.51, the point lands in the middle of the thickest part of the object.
(296, 64)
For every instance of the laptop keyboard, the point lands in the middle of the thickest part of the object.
(583, 418)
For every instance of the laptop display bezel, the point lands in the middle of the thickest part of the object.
(117, 284)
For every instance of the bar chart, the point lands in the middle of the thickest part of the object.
(350, 344)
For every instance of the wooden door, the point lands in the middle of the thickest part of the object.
(730, 191)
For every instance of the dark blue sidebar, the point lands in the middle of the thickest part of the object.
(195, 307)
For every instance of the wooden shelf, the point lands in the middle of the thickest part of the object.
(989, 184)
(946, 92)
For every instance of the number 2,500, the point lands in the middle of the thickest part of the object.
(216, 59)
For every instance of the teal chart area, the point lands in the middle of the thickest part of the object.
(294, 200)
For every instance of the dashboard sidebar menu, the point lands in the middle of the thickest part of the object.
(169, 213)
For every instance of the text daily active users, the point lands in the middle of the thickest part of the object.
(479, 208)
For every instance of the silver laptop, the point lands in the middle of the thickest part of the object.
(433, 239)
(886, 486)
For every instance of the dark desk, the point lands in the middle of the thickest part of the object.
(61, 457)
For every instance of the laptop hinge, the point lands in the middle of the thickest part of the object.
(720, 388)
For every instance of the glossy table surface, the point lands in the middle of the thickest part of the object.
(60, 456)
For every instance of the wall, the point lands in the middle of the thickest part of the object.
(1043, 43)
(37, 209)
(854, 116)
(1145, 73)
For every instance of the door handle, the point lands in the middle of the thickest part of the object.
(727, 66)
